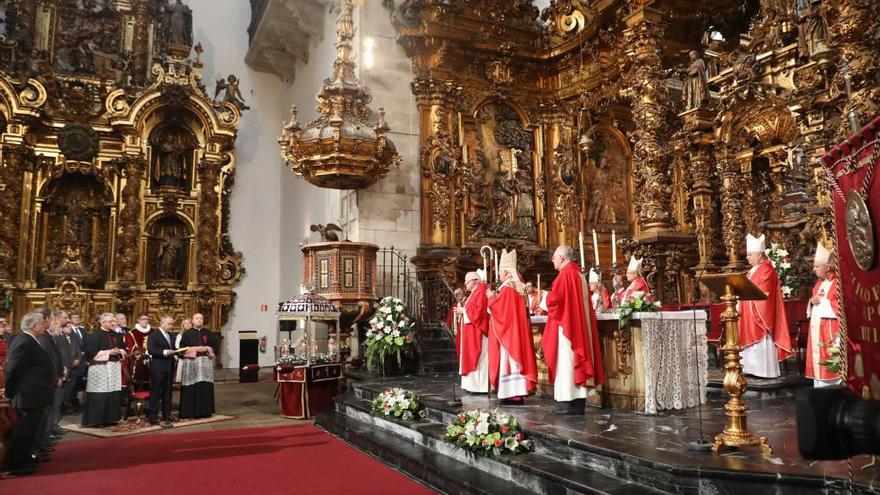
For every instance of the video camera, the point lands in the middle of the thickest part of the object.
(834, 423)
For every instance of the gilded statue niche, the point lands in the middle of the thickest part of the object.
(605, 172)
(168, 248)
(73, 229)
(500, 173)
(172, 155)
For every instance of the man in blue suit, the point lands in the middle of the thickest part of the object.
(160, 347)
(30, 384)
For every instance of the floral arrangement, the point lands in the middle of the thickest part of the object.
(299, 360)
(834, 363)
(399, 403)
(391, 332)
(641, 303)
(487, 433)
(789, 279)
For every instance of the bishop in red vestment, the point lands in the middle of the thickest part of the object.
(513, 369)
(599, 297)
(474, 342)
(534, 296)
(824, 314)
(136, 350)
(637, 283)
(763, 328)
(571, 337)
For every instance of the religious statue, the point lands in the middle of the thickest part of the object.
(232, 93)
(327, 232)
(173, 150)
(812, 29)
(525, 207)
(178, 24)
(77, 219)
(170, 256)
(502, 197)
(601, 201)
(695, 92)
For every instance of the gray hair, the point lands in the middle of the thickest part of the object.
(105, 316)
(29, 320)
(566, 252)
(166, 317)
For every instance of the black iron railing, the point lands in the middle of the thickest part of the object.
(396, 277)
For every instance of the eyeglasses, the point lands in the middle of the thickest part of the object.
(469, 281)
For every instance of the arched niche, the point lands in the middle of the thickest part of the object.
(605, 174)
(172, 156)
(500, 147)
(169, 244)
(74, 229)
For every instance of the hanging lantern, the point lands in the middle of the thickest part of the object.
(341, 149)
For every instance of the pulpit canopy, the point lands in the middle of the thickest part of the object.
(307, 306)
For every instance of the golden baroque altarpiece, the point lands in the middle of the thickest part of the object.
(116, 164)
(681, 125)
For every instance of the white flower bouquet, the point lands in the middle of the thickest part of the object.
(391, 332)
(790, 281)
(399, 403)
(487, 433)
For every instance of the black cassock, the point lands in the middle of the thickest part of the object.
(104, 383)
(197, 375)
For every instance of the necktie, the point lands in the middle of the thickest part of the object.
(166, 338)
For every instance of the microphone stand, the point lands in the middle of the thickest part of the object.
(701, 445)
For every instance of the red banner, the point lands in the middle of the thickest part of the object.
(856, 191)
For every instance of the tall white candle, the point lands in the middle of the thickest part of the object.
(614, 248)
(581, 244)
(539, 283)
(596, 247)
(497, 275)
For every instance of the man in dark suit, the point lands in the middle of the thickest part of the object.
(77, 368)
(48, 436)
(30, 383)
(160, 347)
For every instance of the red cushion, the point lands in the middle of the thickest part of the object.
(141, 395)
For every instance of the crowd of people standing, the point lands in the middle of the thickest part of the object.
(53, 359)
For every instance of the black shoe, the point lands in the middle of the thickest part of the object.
(154, 422)
(576, 407)
(513, 401)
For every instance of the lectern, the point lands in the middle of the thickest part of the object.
(730, 288)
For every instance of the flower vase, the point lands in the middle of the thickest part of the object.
(390, 367)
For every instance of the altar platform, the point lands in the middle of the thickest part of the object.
(606, 451)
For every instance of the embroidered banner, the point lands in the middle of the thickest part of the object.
(856, 195)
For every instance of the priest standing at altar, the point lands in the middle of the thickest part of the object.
(599, 297)
(763, 328)
(637, 283)
(513, 369)
(474, 342)
(824, 313)
(197, 370)
(571, 337)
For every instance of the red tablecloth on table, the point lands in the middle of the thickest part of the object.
(308, 390)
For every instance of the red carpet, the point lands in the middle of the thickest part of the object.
(299, 459)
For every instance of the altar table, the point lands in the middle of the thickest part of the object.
(651, 365)
(308, 390)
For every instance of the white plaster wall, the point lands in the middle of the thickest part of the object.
(270, 210)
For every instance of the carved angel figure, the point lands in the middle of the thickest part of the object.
(328, 232)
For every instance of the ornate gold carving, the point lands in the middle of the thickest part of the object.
(565, 186)
(340, 149)
(440, 164)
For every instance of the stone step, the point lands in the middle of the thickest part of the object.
(526, 473)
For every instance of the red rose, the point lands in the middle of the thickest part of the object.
(498, 443)
(485, 442)
(505, 429)
(520, 436)
(461, 418)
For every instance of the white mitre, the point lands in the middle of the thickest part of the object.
(822, 255)
(594, 277)
(507, 261)
(635, 265)
(755, 244)
(482, 274)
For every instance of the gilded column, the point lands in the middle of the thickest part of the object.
(651, 110)
(560, 163)
(127, 245)
(208, 229)
(731, 209)
(11, 178)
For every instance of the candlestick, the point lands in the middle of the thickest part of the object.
(613, 248)
(495, 255)
(596, 247)
(581, 243)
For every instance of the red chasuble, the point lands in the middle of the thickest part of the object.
(823, 329)
(768, 316)
(568, 305)
(471, 340)
(510, 327)
(135, 338)
(638, 284)
(535, 304)
(605, 297)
